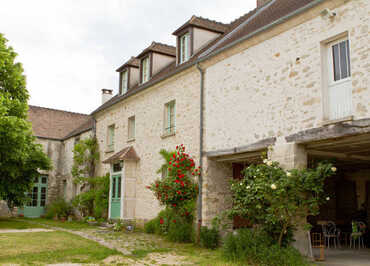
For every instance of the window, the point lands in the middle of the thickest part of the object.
(131, 128)
(110, 139)
(169, 126)
(340, 59)
(124, 82)
(145, 69)
(76, 140)
(117, 167)
(184, 48)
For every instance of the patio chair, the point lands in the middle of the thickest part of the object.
(330, 231)
(358, 230)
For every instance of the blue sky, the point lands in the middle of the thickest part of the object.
(71, 48)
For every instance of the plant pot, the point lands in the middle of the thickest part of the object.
(63, 219)
(21, 215)
(92, 222)
(55, 218)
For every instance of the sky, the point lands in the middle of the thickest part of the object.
(70, 49)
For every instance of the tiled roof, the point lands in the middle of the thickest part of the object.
(258, 19)
(205, 24)
(246, 25)
(132, 62)
(127, 153)
(160, 48)
(57, 124)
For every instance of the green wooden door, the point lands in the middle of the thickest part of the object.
(36, 205)
(115, 207)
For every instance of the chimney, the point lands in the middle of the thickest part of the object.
(262, 3)
(106, 95)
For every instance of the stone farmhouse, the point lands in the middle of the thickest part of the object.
(290, 74)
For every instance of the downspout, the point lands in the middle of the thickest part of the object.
(200, 178)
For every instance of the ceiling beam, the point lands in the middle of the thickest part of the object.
(338, 155)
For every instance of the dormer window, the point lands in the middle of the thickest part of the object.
(184, 48)
(124, 81)
(145, 69)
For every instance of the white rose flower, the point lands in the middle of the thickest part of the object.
(327, 198)
(334, 169)
(248, 187)
(269, 163)
(273, 186)
(241, 183)
(288, 174)
(265, 161)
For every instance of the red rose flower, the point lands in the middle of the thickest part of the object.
(161, 221)
(174, 221)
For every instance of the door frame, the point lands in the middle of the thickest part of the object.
(39, 209)
(111, 174)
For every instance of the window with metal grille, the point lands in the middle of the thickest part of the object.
(131, 128)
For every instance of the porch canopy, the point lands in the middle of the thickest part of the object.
(348, 143)
(127, 153)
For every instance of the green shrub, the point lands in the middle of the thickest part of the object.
(180, 231)
(257, 247)
(58, 208)
(150, 227)
(209, 238)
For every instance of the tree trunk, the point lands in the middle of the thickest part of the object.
(285, 225)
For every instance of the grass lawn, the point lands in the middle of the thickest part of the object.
(74, 225)
(14, 223)
(50, 247)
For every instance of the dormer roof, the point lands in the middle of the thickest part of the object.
(159, 48)
(203, 23)
(133, 62)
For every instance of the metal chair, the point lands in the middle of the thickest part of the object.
(358, 230)
(330, 231)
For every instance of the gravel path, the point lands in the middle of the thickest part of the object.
(34, 230)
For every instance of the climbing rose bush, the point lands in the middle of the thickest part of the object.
(178, 190)
(277, 199)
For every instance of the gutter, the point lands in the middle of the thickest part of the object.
(200, 178)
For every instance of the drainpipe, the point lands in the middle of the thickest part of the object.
(200, 180)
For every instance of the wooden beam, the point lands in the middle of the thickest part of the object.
(338, 155)
(256, 146)
(331, 132)
(240, 157)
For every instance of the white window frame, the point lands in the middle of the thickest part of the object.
(124, 82)
(131, 128)
(145, 71)
(184, 49)
(332, 81)
(170, 124)
(110, 137)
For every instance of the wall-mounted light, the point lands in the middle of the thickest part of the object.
(328, 13)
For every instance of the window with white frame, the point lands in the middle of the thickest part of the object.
(339, 90)
(124, 82)
(340, 56)
(184, 48)
(110, 138)
(131, 128)
(170, 117)
(145, 69)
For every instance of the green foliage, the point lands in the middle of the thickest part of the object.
(94, 201)
(278, 199)
(180, 230)
(20, 156)
(58, 208)
(118, 226)
(177, 191)
(258, 247)
(209, 238)
(151, 226)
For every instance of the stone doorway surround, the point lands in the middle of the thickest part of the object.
(130, 159)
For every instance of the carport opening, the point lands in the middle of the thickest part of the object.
(348, 190)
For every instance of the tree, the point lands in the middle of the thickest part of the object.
(20, 156)
(276, 199)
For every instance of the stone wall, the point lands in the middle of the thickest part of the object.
(148, 107)
(273, 85)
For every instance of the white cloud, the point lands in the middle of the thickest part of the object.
(71, 48)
